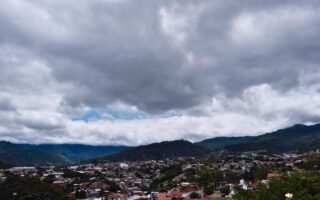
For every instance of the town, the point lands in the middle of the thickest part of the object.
(218, 176)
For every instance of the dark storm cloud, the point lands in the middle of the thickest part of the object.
(6, 105)
(136, 52)
(252, 64)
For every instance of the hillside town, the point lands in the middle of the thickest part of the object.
(215, 177)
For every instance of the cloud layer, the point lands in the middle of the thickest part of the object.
(149, 71)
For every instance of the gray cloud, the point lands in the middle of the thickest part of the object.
(6, 105)
(59, 59)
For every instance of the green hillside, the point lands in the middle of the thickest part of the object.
(298, 138)
(221, 142)
(12, 156)
(157, 151)
(74, 152)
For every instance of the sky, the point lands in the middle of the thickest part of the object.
(132, 72)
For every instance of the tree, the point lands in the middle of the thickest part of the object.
(261, 173)
(49, 179)
(232, 177)
(225, 190)
(208, 189)
(30, 188)
(195, 195)
(113, 187)
(80, 194)
(204, 176)
(245, 195)
(313, 162)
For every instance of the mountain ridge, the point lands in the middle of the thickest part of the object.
(295, 138)
(157, 151)
(75, 152)
(10, 155)
(299, 138)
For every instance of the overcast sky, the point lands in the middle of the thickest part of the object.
(139, 71)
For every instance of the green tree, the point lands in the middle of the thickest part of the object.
(49, 179)
(261, 173)
(195, 195)
(80, 194)
(113, 187)
(30, 188)
(225, 190)
(208, 189)
(303, 186)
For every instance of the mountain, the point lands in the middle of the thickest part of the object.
(33, 158)
(221, 142)
(4, 164)
(74, 152)
(10, 155)
(44, 154)
(299, 138)
(157, 151)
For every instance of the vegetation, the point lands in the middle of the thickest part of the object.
(313, 162)
(4, 164)
(113, 187)
(195, 195)
(303, 186)
(10, 155)
(298, 138)
(74, 152)
(221, 142)
(158, 151)
(30, 188)
(261, 173)
(207, 177)
(164, 182)
(33, 158)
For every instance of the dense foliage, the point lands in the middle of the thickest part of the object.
(30, 188)
(164, 182)
(313, 162)
(207, 177)
(303, 186)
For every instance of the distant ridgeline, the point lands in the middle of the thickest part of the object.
(11, 155)
(157, 151)
(50, 154)
(298, 138)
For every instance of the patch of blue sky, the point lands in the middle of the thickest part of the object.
(126, 115)
(119, 114)
(171, 114)
(91, 115)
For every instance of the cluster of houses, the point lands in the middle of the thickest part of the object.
(134, 180)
